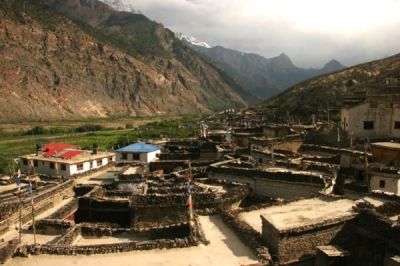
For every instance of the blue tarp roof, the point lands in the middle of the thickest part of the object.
(139, 147)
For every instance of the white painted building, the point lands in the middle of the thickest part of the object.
(385, 182)
(372, 120)
(58, 159)
(138, 152)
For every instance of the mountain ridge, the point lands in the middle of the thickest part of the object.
(54, 67)
(330, 90)
(262, 77)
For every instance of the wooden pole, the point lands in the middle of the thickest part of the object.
(19, 208)
(190, 202)
(33, 213)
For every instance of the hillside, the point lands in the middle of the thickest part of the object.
(315, 95)
(108, 63)
(262, 77)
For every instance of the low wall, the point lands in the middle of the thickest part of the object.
(43, 201)
(301, 243)
(277, 185)
(7, 250)
(110, 248)
(65, 210)
(247, 234)
(52, 226)
(69, 237)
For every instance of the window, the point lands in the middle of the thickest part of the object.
(136, 156)
(63, 167)
(382, 183)
(51, 165)
(35, 163)
(368, 125)
(91, 164)
(124, 156)
(260, 160)
(80, 167)
(25, 161)
(396, 124)
(99, 162)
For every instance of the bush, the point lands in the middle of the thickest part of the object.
(38, 130)
(88, 128)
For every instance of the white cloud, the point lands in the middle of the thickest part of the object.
(311, 32)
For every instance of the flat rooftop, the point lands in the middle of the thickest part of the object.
(88, 156)
(387, 145)
(300, 213)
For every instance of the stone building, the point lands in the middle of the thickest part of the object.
(293, 231)
(384, 173)
(372, 119)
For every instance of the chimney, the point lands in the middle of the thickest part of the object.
(95, 148)
(38, 149)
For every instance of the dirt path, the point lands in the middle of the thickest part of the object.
(225, 249)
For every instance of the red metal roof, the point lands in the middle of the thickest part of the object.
(70, 154)
(53, 148)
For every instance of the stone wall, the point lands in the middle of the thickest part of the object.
(7, 250)
(301, 243)
(65, 210)
(247, 234)
(69, 237)
(43, 201)
(109, 248)
(284, 185)
(53, 227)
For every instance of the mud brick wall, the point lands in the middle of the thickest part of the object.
(300, 243)
(247, 234)
(276, 185)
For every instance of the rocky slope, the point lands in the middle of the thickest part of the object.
(108, 63)
(315, 95)
(263, 77)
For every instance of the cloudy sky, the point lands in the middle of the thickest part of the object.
(310, 32)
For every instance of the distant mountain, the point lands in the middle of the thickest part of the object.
(192, 40)
(350, 85)
(262, 77)
(97, 61)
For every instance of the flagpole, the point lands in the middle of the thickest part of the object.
(19, 205)
(32, 205)
(33, 213)
(190, 202)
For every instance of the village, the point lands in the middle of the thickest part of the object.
(248, 190)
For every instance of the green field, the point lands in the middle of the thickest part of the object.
(14, 144)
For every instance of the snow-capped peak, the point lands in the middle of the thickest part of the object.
(192, 40)
(120, 5)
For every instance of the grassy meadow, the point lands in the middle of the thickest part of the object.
(87, 132)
